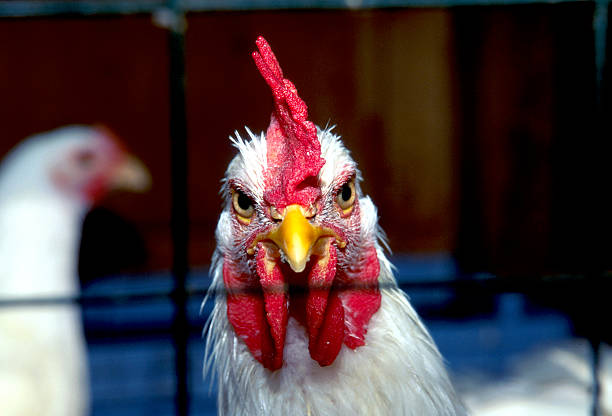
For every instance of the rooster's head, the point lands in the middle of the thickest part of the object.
(296, 237)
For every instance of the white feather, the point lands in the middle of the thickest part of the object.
(43, 367)
(398, 372)
(249, 162)
(43, 363)
(25, 170)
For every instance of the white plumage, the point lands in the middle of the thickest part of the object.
(398, 371)
(47, 183)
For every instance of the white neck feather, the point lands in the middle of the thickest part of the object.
(39, 240)
(398, 372)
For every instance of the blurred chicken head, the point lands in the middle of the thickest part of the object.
(82, 163)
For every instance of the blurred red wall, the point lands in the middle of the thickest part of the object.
(460, 119)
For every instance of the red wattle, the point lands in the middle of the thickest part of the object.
(320, 281)
(324, 318)
(246, 313)
(275, 299)
(333, 310)
(325, 347)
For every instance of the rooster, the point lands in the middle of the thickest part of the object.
(308, 318)
(47, 184)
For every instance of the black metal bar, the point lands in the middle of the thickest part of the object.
(485, 283)
(600, 34)
(595, 345)
(227, 5)
(32, 8)
(600, 29)
(180, 207)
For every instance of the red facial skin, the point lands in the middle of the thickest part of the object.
(361, 297)
(88, 172)
(333, 298)
(114, 153)
(337, 294)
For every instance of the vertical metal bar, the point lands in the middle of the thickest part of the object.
(180, 210)
(595, 365)
(600, 30)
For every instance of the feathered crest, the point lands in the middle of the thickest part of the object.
(293, 149)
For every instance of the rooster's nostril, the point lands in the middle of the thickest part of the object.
(311, 212)
(276, 215)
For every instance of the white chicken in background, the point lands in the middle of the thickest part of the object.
(47, 184)
(308, 318)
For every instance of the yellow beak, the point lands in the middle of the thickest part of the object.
(295, 237)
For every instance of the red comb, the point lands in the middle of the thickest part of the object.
(293, 149)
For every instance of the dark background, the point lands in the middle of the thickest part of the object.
(474, 126)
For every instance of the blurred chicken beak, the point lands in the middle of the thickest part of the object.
(295, 237)
(131, 175)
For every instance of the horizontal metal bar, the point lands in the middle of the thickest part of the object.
(37, 8)
(34, 8)
(483, 283)
(209, 5)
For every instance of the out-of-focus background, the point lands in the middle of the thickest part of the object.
(481, 130)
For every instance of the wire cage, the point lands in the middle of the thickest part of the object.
(483, 306)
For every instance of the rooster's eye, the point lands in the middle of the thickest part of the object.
(346, 197)
(243, 205)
